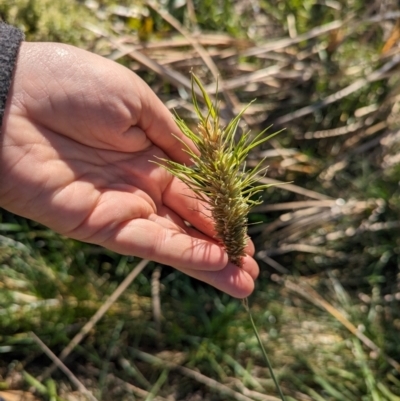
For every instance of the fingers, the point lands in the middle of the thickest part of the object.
(169, 219)
(235, 281)
(198, 258)
(250, 250)
(150, 240)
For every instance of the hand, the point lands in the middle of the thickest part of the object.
(77, 136)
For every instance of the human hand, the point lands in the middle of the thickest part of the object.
(77, 136)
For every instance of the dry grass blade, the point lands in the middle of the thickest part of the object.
(17, 395)
(209, 382)
(294, 188)
(289, 228)
(295, 205)
(170, 75)
(335, 97)
(348, 129)
(63, 368)
(230, 98)
(292, 220)
(294, 230)
(286, 42)
(155, 299)
(136, 391)
(311, 295)
(343, 160)
(271, 262)
(245, 79)
(287, 248)
(97, 316)
(177, 41)
(175, 77)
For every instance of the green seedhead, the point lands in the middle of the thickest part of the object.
(219, 176)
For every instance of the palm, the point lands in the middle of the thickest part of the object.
(78, 137)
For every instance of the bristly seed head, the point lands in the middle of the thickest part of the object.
(218, 177)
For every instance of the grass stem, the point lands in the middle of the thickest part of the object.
(266, 359)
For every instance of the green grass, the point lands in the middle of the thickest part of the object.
(52, 285)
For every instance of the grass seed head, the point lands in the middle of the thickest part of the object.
(218, 177)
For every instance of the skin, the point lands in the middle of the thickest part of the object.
(78, 135)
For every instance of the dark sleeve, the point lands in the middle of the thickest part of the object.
(10, 39)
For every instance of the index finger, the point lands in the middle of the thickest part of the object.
(159, 124)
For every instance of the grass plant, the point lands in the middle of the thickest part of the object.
(219, 178)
